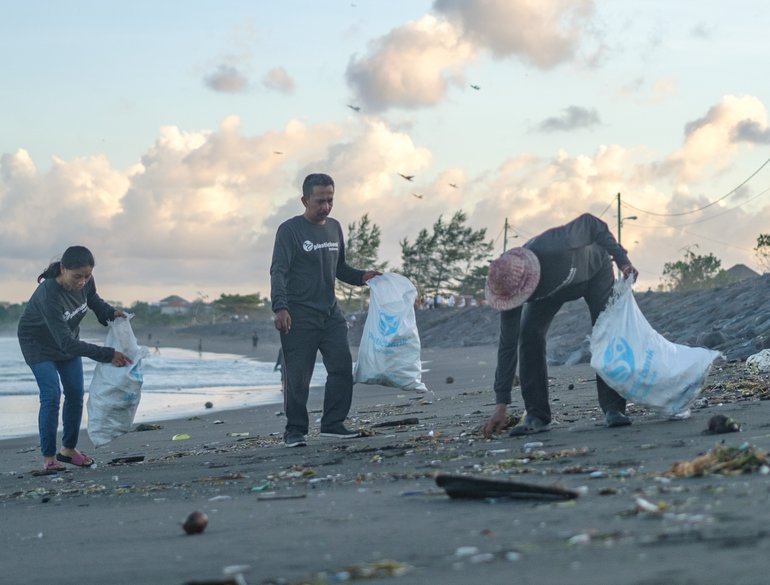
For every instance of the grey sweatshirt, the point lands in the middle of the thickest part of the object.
(49, 327)
(307, 258)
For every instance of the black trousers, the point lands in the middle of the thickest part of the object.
(536, 318)
(311, 332)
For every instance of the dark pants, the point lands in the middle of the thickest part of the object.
(311, 332)
(536, 318)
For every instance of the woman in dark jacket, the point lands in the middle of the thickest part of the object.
(49, 338)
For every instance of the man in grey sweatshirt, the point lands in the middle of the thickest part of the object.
(308, 257)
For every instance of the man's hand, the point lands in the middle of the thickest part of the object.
(282, 321)
(496, 422)
(118, 313)
(120, 359)
(369, 274)
(629, 270)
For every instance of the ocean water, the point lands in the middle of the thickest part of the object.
(177, 382)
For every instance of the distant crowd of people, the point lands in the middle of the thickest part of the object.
(439, 301)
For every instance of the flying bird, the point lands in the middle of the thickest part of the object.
(277, 152)
(407, 177)
(354, 108)
(476, 87)
(418, 195)
(453, 185)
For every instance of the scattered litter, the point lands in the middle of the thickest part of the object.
(127, 459)
(759, 362)
(262, 487)
(396, 423)
(220, 498)
(719, 423)
(218, 422)
(275, 496)
(722, 460)
(147, 427)
(466, 551)
(532, 445)
(238, 434)
(461, 486)
(180, 437)
(195, 523)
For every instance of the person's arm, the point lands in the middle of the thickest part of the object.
(507, 359)
(283, 254)
(52, 313)
(102, 309)
(346, 273)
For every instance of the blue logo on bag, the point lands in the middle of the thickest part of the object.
(618, 360)
(388, 324)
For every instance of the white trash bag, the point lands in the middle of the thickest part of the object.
(115, 392)
(759, 362)
(389, 352)
(640, 364)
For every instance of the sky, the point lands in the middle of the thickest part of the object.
(172, 138)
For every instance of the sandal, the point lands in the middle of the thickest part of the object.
(53, 466)
(78, 459)
(529, 426)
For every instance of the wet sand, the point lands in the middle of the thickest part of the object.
(307, 515)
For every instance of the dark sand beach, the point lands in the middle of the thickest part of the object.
(369, 508)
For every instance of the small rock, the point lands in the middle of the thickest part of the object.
(209, 405)
(449, 379)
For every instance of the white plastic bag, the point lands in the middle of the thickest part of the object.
(759, 362)
(389, 352)
(639, 363)
(115, 392)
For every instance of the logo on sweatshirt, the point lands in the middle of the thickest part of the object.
(309, 246)
(74, 313)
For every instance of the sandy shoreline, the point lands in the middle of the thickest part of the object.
(354, 503)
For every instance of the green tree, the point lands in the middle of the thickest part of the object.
(362, 246)
(763, 252)
(695, 272)
(238, 304)
(444, 260)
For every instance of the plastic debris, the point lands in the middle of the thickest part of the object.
(759, 362)
(722, 460)
(461, 486)
(397, 423)
(719, 423)
(180, 437)
(147, 427)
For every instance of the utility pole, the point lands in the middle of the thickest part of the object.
(620, 221)
(505, 235)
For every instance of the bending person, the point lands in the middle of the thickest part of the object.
(529, 285)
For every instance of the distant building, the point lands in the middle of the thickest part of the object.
(740, 272)
(174, 305)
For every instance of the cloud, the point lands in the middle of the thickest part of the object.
(574, 118)
(410, 67)
(226, 79)
(415, 65)
(712, 141)
(542, 33)
(279, 80)
(751, 131)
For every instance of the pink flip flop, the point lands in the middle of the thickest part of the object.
(53, 465)
(78, 459)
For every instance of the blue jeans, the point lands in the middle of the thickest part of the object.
(47, 375)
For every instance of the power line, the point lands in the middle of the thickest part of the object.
(705, 206)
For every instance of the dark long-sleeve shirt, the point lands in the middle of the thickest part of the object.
(49, 327)
(569, 255)
(307, 258)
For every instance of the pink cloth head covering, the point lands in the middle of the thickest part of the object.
(512, 279)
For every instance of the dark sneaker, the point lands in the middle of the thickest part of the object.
(339, 432)
(529, 426)
(615, 418)
(294, 439)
